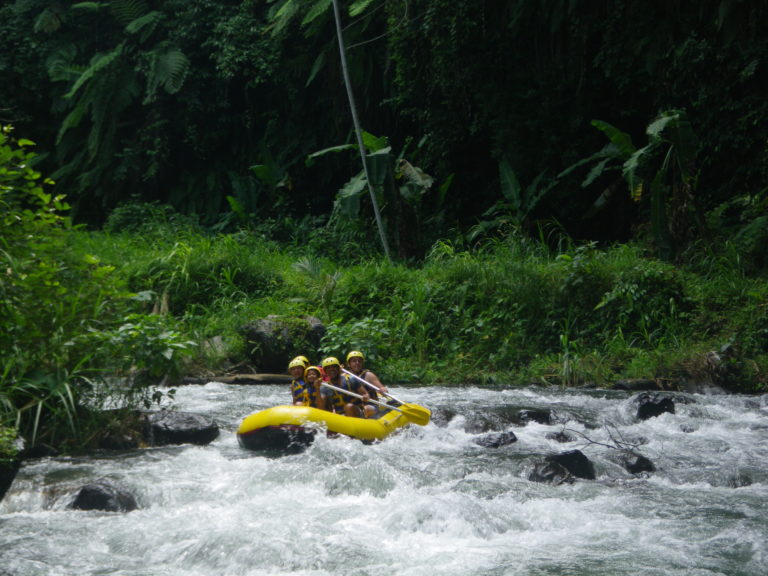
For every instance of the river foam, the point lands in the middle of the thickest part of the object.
(425, 501)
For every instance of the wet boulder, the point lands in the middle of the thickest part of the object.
(482, 422)
(496, 439)
(8, 472)
(106, 495)
(575, 462)
(652, 405)
(442, 416)
(170, 427)
(636, 463)
(550, 473)
(274, 340)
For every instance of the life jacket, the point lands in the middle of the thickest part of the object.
(370, 389)
(301, 392)
(339, 400)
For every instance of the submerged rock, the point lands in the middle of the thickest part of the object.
(562, 437)
(105, 495)
(637, 463)
(540, 416)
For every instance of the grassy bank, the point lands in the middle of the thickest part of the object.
(511, 311)
(133, 308)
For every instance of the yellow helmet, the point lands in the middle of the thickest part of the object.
(331, 361)
(355, 354)
(304, 360)
(315, 368)
(294, 363)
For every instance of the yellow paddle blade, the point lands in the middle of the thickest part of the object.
(415, 413)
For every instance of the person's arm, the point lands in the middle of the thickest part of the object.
(323, 400)
(362, 390)
(371, 378)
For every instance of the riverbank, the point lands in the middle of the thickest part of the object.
(163, 302)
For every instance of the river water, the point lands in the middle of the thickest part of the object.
(425, 501)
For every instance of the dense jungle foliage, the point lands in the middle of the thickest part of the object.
(574, 191)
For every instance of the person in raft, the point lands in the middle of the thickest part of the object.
(313, 377)
(356, 362)
(338, 402)
(299, 390)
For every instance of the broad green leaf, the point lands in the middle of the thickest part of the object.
(373, 143)
(510, 186)
(595, 173)
(354, 186)
(316, 67)
(621, 139)
(325, 151)
(379, 167)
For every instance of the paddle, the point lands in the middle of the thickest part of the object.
(412, 412)
(424, 413)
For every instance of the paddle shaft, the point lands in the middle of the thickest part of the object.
(371, 386)
(348, 393)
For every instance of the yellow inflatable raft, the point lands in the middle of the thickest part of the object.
(292, 428)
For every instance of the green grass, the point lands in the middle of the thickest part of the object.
(167, 302)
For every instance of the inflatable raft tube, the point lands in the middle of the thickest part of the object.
(293, 428)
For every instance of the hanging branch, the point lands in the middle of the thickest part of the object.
(358, 130)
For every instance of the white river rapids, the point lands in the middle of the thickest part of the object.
(425, 501)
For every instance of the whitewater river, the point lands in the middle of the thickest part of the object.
(426, 501)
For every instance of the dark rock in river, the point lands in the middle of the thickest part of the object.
(540, 416)
(496, 440)
(636, 463)
(652, 405)
(274, 340)
(442, 416)
(104, 495)
(169, 427)
(562, 437)
(8, 472)
(575, 462)
(551, 473)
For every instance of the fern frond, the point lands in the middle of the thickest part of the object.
(168, 69)
(72, 120)
(126, 11)
(48, 21)
(60, 65)
(359, 7)
(98, 63)
(320, 7)
(283, 16)
(145, 25)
